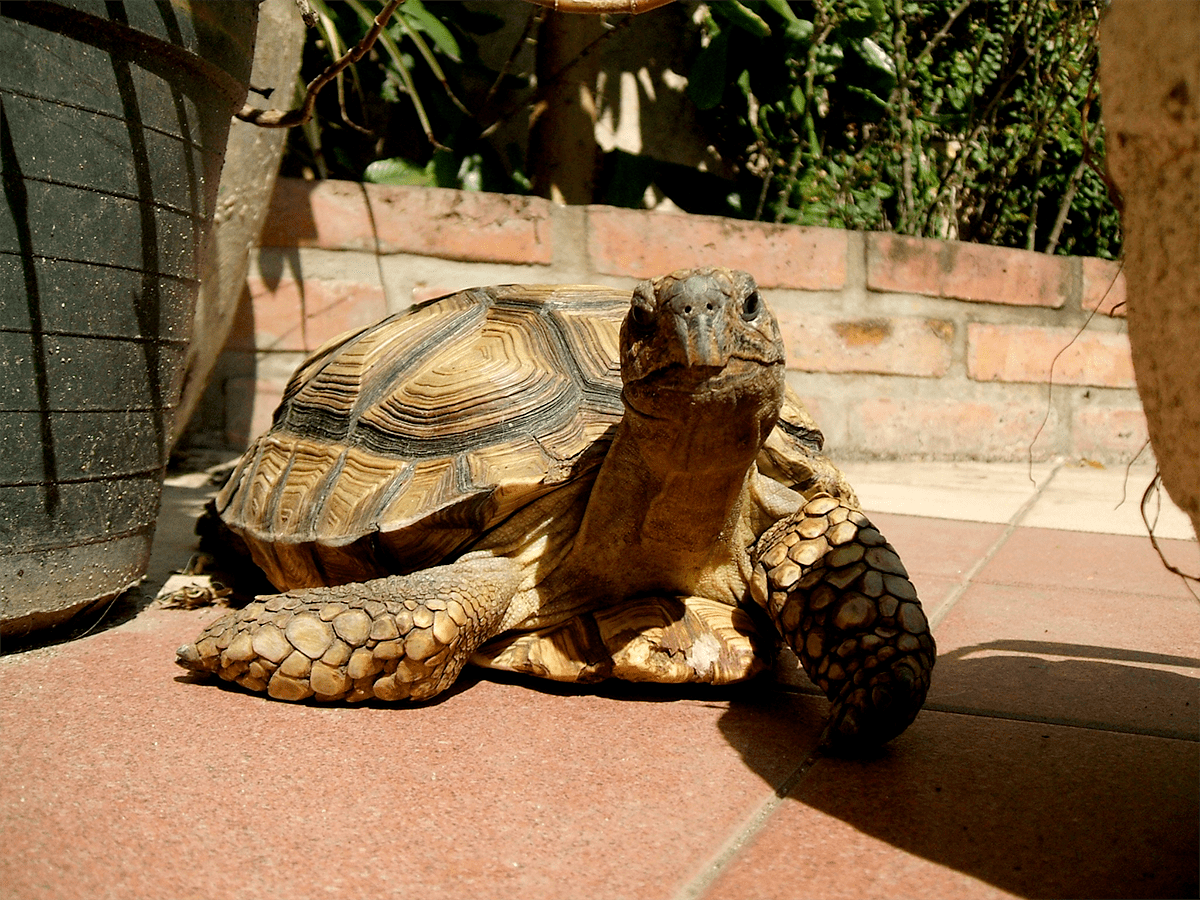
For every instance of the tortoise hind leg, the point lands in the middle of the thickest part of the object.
(840, 596)
(669, 640)
(679, 640)
(403, 637)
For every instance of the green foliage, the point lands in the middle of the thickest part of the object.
(976, 120)
(412, 111)
(968, 119)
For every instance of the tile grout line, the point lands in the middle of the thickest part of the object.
(699, 885)
(1106, 727)
(1030, 719)
(1013, 523)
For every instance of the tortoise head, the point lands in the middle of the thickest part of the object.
(700, 348)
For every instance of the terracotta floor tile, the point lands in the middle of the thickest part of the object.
(938, 553)
(1053, 614)
(1090, 657)
(940, 547)
(122, 779)
(1109, 562)
(968, 807)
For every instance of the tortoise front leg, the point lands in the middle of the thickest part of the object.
(403, 637)
(838, 593)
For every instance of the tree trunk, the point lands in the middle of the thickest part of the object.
(563, 154)
(1150, 79)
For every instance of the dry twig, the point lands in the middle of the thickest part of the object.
(276, 118)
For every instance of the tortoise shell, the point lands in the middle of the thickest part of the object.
(396, 446)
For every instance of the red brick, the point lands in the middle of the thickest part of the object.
(303, 315)
(643, 244)
(435, 222)
(1026, 353)
(952, 429)
(1101, 432)
(329, 214)
(884, 346)
(1103, 286)
(251, 399)
(463, 225)
(966, 271)
(422, 294)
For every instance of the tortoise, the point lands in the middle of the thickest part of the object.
(571, 482)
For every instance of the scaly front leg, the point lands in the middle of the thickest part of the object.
(404, 637)
(840, 596)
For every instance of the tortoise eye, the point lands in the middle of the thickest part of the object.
(751, 305)
(640, 318)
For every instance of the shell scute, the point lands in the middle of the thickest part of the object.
(397, 445)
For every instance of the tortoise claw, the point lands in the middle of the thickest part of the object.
(863, 719)
(189, 657)
(400, 638)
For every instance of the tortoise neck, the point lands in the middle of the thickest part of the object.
(669, 502)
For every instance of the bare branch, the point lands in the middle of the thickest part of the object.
(941, 34)
(1152, 490)
(534, 19)
(275, 118)
(1068, 197)
(598, 7)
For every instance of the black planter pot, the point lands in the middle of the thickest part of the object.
(113, 123)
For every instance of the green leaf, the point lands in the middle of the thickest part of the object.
(744, 18)
(876, 58)
(867, 106)
(400, 171)
(799, 31)
(706, 82)
(878, 11)
(445, 169)
(420, 18)
(783, 9)
(797, 100)
(829, 59)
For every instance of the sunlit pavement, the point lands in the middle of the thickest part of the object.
(1057, 756)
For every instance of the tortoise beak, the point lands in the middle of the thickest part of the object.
(699, 341)
(699, 312)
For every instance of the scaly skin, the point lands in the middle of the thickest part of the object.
(832, 585)
(841, 598)
(403, 637)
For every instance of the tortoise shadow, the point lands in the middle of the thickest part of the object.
(207, 679)
(612, 689)
(1023, 772)
(626, 691)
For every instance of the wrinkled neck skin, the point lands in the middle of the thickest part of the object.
(668, 509)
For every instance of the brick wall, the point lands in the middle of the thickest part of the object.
(902, 347)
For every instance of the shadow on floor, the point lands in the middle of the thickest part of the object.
(1025, 783)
